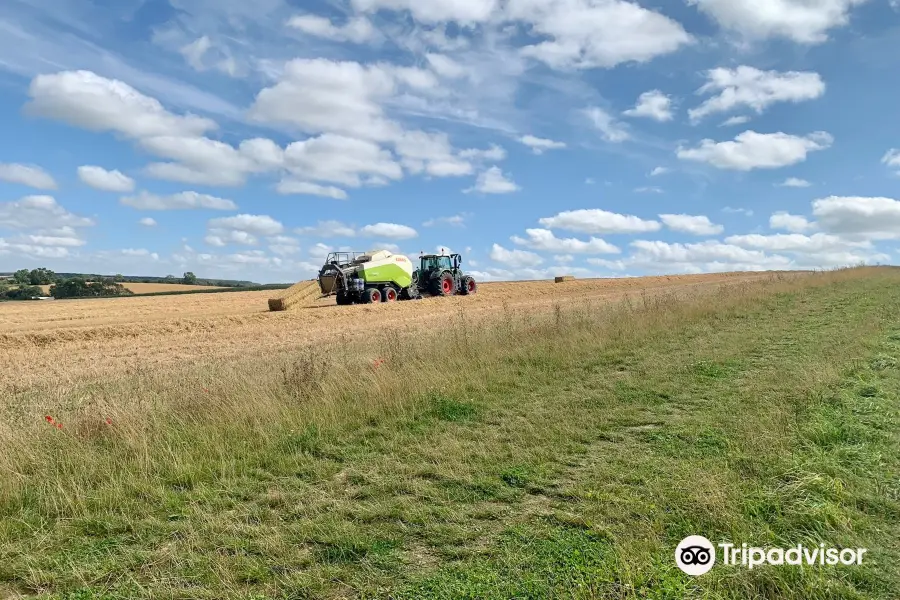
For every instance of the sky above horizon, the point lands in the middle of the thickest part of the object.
(538, 137)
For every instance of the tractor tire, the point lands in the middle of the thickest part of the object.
(443, 285)
(344, 299)
(468, 285)
(371, 296)
(389, 294)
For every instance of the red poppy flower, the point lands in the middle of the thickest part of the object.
(59, 425)
(48, 418)
(108, 421)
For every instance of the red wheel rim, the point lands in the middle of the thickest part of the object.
(471, 286)
(376, 296)
(447, 285)
(390, 295)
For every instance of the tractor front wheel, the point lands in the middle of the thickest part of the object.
(372, 296)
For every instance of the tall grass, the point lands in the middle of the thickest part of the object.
(161, 425)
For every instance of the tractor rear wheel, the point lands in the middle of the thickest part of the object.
(372, 296)
(443, 285)
(469, 286)
(389, 294)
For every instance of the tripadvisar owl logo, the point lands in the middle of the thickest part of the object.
(695, 555)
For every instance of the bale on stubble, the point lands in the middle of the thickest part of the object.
(303, 291)
(563, 278)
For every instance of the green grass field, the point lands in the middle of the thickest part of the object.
(552, 456)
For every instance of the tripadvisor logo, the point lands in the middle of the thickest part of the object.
(696, 555)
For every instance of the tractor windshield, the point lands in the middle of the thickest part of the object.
(432, 263)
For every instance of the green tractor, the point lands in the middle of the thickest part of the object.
(381, 276)
(441, 275)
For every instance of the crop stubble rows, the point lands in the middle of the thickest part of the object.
(77, 340)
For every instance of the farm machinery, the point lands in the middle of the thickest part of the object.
(381, 276)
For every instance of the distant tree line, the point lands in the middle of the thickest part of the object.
(80, 285)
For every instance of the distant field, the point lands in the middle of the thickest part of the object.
(151, 288)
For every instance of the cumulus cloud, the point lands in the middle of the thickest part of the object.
(327, 229)
(357, 29)
(598, 221)
(148, 222)
(544, 240)
(692, 224)
(892, 159)
(87, 100)
(794, 182)
(514, 258)
(181, 201)
(290, 186)
(493, 181)
(540, 145)
(28, 175)
(40, 213)
(659, 171)
(751, 150)
(703, 257)
(454, 221)
(652, 105)
(107, 181)
(391, 231)
(802, 21)
(789, 222)
(252, 224)
(870, 218)
(748, 87)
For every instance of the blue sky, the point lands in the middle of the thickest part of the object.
(539, 137)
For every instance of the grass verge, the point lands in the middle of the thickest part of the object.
(541, 456)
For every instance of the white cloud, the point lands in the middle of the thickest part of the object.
(223, 237)
(659, 171)
(795, 242)
(703, 256)
(610, 129)
(292, 186)
(493, 153)
(493, 181)
(892, 158)
(802, 21)
(741, 211)
(648, 189)
(40, 213)
(391, 231)
(454, 221)
(789, 222)
(735, 120)
(148, 222)
(540, 145)
(87, 100)
(252, 224)
(543, 239)
(445, 66)
(357, 29)
(652, 105)
(755, 89)
(193, 52)
(870, 218)
(107, 181)
(327, 229)
(514, 258)
(794, 182)
(585, 34)
(28, 175)
(181, 201)
(563, 258)
(751, 150)
(434, 11)
(339, 159)
(598, 221)
(692, 224)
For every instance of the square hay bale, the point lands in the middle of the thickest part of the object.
(303, 291)
(563, 278)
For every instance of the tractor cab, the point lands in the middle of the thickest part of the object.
(433, 262)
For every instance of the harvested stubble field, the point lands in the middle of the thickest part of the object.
(538, 440)
(74, 340)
